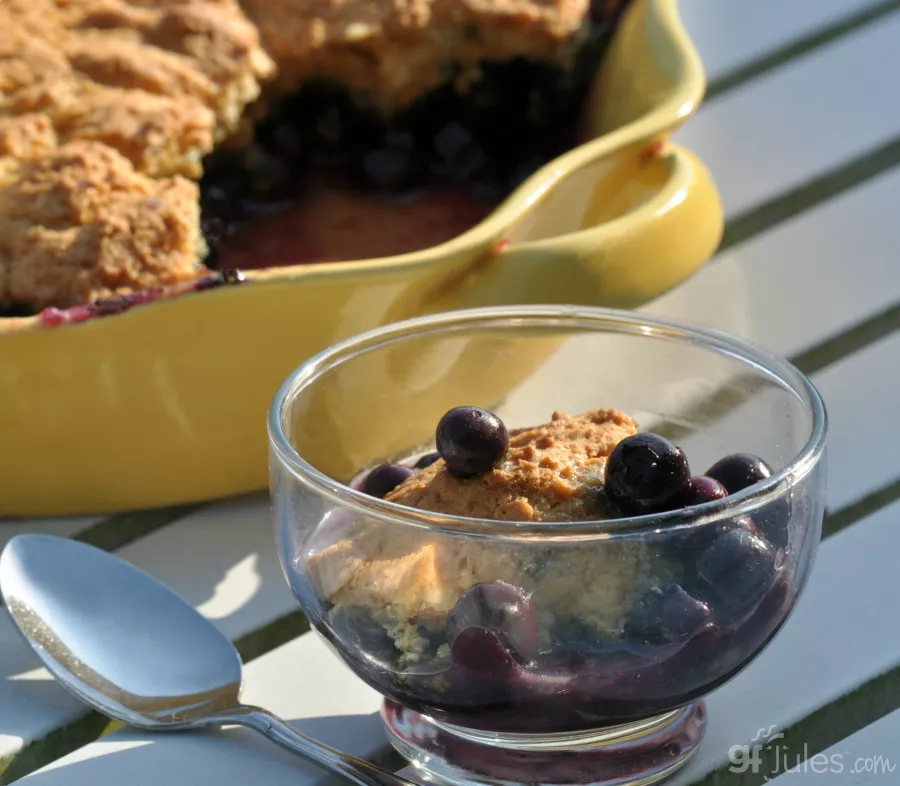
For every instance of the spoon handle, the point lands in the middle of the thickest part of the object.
(356, 770)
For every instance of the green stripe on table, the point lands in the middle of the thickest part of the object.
(865, 506)
(798, 47)
(272, 635)
(818, 731)
(817, 358)
(849, 341)
(810, 194)
(121, 529)
(56, 744)
(92, 725)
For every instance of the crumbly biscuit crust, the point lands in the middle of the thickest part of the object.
(397, 50)
(106, 106)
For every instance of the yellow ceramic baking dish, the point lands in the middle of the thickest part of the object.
(166, 403)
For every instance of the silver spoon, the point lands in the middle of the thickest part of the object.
(134, 650)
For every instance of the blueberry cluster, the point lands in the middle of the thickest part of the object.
(515, 117)
(727, 567)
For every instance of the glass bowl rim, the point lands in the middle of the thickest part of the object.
(611, 320)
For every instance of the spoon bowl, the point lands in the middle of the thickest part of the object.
(132, 649)
(122, 641)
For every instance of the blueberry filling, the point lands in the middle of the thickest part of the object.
(505, 658)
(735, 573)
(498, 607)
(482, 651)
(666, 616)
(774, 520)
(358, 627)
(515, 117)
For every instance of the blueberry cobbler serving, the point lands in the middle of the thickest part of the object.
(147, 144)
(529, 632)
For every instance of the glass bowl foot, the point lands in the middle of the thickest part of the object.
(641, 752)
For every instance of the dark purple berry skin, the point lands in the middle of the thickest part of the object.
(666, 616)
(647, 473)
(481, 652)
(702, 489)
(738, 471)
(427, 460)
(702, 536)
(384, 479)
(735, 573)
(471, 441)
(499, 607)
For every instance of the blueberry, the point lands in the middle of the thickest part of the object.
(735, 572)
(686, 547)
(220, 200)
(742, 470)
(703, 489)
(774, 521)
(471, 440)
(384, 479)
(268, 178)
(330, 126)
(460, 157)
(646, 473)
(427, 460)
(393, 166)
(691, 542)
(666, 616)
(499, 607)
(482, 652)
(738, 471)
(214, 231)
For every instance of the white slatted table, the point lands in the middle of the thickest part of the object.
(803, 136)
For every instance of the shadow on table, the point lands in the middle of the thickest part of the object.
(212, 758)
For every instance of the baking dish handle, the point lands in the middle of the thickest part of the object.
(622, 263)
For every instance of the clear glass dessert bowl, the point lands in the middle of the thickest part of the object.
(543, 650)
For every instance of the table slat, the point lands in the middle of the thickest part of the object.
(731, 33)
(808, 279)
(302, 681)
(866, 758)
(222, 560)
(803, 119)
(65, 528)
